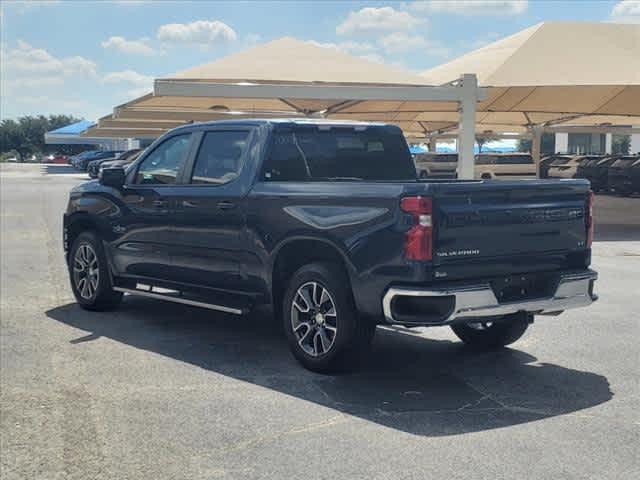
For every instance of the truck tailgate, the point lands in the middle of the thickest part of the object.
(500, 219)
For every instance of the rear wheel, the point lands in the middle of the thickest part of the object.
(90, 278)
(491, 334)
(324, 331)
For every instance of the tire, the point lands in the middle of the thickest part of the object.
(492, 335)
(87, 261)
(424, 174)
(325, 335)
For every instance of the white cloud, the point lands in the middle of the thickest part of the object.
(626, 11)
(26, 61)
(472, 7)
(133, 47)
(200, 32)
(370, 20)
(129, 76)
(400, 42)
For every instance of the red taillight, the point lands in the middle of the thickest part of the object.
(418, 243)
(589, 219)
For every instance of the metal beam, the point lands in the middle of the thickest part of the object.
(192, 115)
(467, 133)
(177, 88)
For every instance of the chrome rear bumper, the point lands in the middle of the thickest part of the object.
(473, 301)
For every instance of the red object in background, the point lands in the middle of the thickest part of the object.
(55, 158)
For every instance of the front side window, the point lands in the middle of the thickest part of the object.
(161, 166)
(219, 158)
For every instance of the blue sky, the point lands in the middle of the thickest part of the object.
(83, 57)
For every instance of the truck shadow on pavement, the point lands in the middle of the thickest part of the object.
(408, 382)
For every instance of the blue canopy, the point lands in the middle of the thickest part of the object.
(73, 129)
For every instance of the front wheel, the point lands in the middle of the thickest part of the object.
(323, 328)
(89, 272)
(491, 334)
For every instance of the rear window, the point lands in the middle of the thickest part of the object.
(319, 154)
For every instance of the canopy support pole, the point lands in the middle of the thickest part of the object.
(536, 142)
(467, 132)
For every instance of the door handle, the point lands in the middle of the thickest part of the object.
(160, 203)
(190, 203)
(226, 205)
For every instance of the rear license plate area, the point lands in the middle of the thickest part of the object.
(513, 288)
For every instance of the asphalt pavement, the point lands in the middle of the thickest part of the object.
(157, 390)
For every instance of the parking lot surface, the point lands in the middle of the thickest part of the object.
(157, 390)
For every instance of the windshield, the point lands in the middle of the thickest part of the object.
(307, 153)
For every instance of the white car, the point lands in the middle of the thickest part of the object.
(436, 165)
(565, 166)
(505, 166)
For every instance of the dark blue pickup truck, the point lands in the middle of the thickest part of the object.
(327, 223)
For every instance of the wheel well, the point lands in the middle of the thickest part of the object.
(296, 254)
(75, 228)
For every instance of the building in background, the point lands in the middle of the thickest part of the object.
(588, 143)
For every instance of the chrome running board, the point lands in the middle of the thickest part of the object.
(185, 301)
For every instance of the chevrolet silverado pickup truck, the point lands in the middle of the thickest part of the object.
(328, 223)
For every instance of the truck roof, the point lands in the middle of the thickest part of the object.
(285, 121)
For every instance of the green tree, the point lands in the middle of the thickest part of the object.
(547, 144)
(481, 140)
(26, 134)
(620, 144)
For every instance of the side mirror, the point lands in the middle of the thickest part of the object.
(113, 177)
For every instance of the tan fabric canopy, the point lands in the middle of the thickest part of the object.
(289, 61)
(554, 73)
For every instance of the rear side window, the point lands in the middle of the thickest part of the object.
(485, 159)
(219, 159)
(161, 166)
(318, 154)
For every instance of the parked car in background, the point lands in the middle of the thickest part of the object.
(489, 166)
(55, 158)
(505, 166)
(83, 163)
(122, 160)
(327, 223)
(75, 160)
(545, 163)
(595, 169)
(436, 165)
(565, 166)
(624, 175)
